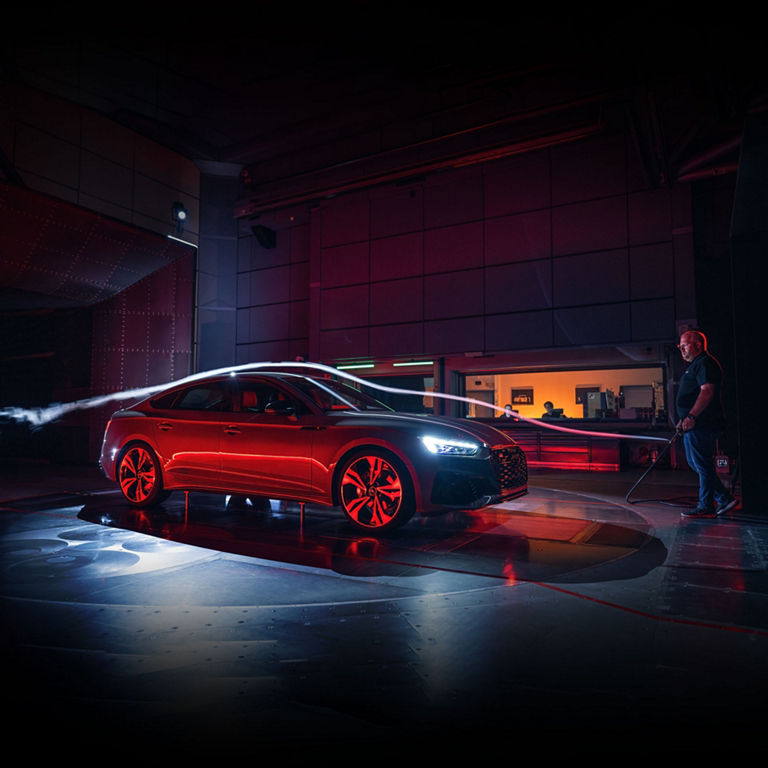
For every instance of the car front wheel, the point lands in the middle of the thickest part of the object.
(375, 491)
(139, 476)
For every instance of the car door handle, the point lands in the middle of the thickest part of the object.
(316, 428)
(232, 430)
(165, 426)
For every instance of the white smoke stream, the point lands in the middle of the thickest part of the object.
(38, 417)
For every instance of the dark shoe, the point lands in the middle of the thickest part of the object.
(726, 506)
(698, 512)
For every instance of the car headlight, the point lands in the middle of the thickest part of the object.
(447, 447)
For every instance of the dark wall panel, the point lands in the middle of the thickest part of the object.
(589, 226)
(651, 269)
(397, 339)
(142, 337)
(347, 223)
(346, 343)
(650, 216)
(597, 324)
(454, 247)
(521, 237)
(553, 248)
(267, 286)
(518, 287)
(591, 278)
(273, 301)
(654, 319)
(345, 264)
(396, 299)
(396, 212)
(400, 256)
(454, 336)
(219, 280)
(518, 184)
(588, 170)
(521, 330)
(453, 294)
(453, 198)
(345, 307)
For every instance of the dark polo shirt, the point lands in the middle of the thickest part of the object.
(704, 369)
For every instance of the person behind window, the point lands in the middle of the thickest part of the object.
(550, 412)
(508, 412)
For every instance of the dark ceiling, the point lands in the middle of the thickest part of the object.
(331, 104)
(277, 85)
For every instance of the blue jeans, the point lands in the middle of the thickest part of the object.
(700, 454)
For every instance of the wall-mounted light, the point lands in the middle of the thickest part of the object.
(179, 216)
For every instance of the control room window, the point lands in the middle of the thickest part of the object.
(632, 394)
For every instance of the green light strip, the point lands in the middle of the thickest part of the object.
(417, 362)
(355, 366)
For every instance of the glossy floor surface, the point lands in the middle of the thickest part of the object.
(568, 620)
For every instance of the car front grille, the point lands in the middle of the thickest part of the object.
(509, 466)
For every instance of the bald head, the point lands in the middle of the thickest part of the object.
(692, 344)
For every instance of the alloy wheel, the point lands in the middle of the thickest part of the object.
(138, 475)
(372, 492)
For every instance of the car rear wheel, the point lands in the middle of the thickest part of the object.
(375, 491)
(139, 476)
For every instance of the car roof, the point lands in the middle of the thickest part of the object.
(232, 376)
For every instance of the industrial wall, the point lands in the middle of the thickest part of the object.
(139, 336)
(561, 247)
(78, 155)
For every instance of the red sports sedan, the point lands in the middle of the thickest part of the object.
(310, 439)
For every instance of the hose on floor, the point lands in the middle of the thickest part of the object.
(681, 501)
(661, 453)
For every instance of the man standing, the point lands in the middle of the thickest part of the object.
(701, 420)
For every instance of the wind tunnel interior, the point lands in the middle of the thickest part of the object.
(576, 234)
(570, 230)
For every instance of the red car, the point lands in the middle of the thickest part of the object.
(296, 437)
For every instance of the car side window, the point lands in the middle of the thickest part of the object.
(203, 397)
(262, 397)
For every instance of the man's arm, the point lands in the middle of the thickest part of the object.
(704, 398)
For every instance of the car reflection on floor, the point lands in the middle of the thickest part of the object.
(531, 540)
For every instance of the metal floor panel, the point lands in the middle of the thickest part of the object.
(566, 615)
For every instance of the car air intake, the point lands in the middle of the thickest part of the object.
(509, 466)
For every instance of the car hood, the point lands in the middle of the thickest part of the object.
(444, 425)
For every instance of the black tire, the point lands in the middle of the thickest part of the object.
(139, 476)
(375, 490)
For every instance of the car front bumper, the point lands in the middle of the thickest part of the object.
(472, 484)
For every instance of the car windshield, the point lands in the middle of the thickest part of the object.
(330, 395)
